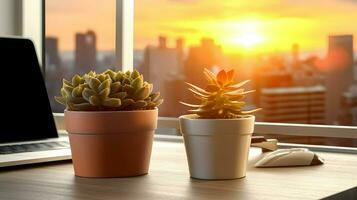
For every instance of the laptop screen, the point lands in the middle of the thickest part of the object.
(25, 109)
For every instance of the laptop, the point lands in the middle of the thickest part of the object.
(28, 132)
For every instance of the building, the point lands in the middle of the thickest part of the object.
(160, 64)
(207, 55)
(54, 71)
(53, 60)
(339, 75)
(85, 52)
(348, 111)
(304, 105)
(175, 91)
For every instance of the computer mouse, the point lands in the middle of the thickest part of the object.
(289, 158)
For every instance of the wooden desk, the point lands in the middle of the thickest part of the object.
(169, 179)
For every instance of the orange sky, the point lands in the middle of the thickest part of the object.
(261, 25)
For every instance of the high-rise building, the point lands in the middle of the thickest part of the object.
(207, 55)
(54, 71)
(175, 90)
(86, 52)
(304, 105)
(295, 57)
(52, 54)
(348, 113)
(160, 64)
(339, 75)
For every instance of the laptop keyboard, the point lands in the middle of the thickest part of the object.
(44, 146)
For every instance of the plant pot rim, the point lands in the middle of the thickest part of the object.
(190, 125)
(110, 112)
(109, 122)
(194, 117)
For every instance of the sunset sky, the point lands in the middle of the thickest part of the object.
(256, 26)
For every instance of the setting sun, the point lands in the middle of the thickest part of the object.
(249, 39)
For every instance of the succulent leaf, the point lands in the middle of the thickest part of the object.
(118, 77)
(68, 90)
(112, 102)
(198, 88)
(87, 93)
(155, 96)
(212, 88)
(76, 100)
(140, 104)
(111, 73)
(119, 95)
(61, 100)
(250, 111)
(230, 75)
(94, 100)
(77, 91)
(142, 93)
(238, 85)
(222, 77)
(102, 77)
(94, 84)
(211, 78)
(135, 74)
(198, 94)
(82, 106)
(159, 102)
(115, 87)
(126, 81)
(127, 102)
(137, 83)
(76, 80)
(63, 92)
(191, 105)
(105, 84)
(128, 89)
(104, 93)
(65, 82)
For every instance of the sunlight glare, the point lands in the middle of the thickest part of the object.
(249, 39)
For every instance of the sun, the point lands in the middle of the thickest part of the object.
(249, 39)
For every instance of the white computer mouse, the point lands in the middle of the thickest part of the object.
(290, 157)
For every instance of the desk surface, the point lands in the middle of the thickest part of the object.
(169, 179)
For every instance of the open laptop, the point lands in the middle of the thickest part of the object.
(27, 129)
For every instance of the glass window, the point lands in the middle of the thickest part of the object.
(80, 36)
(299, 55)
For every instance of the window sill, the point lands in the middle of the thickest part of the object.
(262, 128)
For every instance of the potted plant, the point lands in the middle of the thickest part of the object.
(217, 133)
(110, 118)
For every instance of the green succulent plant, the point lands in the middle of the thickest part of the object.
(221, 98)
(108, 91)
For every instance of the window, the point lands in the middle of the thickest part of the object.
(299, 56)
(80, 36)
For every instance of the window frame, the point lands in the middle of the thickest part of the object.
(30, 13)
(124, 53)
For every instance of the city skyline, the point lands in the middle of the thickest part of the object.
(168, 67)
(249, 26)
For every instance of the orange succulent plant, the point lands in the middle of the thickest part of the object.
(221, 98)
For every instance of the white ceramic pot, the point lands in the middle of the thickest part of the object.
(217, 148)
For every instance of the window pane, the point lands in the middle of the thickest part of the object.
(80, 36)
(299, 55)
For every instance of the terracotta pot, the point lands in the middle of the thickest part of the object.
(111, 143)
(217, 148)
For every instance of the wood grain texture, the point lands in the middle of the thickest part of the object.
(169, 179)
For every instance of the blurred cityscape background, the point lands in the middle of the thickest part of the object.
(294, 84)
(291, 87)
